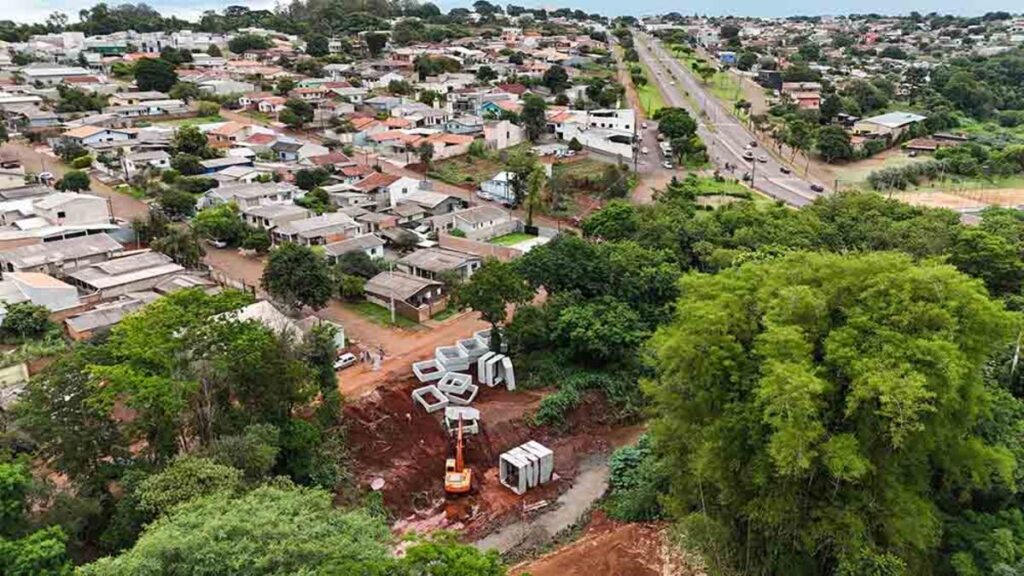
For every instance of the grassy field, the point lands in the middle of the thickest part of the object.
(192, 121)
(857, 172)
(471, 170)
(379, 314)
(261, 117)
(511, 239)
(649, 95)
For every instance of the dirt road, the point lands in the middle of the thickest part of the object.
(608, 547)
(121, 205)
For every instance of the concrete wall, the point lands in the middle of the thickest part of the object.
(482, 249)
(498, 229)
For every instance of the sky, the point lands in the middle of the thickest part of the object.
(38, 10)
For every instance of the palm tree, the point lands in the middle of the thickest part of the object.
(534, 184)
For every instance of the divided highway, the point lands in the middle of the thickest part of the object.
(725, 138)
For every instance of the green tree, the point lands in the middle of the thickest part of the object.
(357, 263)
(190, 140)
(990, 258)
(834, 144)
(253, 452)
(533, 116)
(535, 183)
(806, 428)
(442, 553)
(271, 530)
(316, 45)
(617, 220)
(177, 204)
(214, 51)
(556, 79)
(26, 321)
(297, 276)
(74, 181)
(485, 74)
(297, 113)
(243, 42)
(310, 178)
(675, 123)
(491, 289)
(182, 245)
(220, 223)
(187, 164)
(186, 478)
(599, 330)
(375, 43)
(256, 239)
(425, 152)
(155, 74)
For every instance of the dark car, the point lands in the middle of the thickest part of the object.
(753, 143)
(784, 170)
(746, 176)
(817, 187)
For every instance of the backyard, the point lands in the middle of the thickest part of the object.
(469, 170)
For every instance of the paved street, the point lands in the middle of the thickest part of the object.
(725, 137)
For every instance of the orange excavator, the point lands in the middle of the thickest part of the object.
(457, 478)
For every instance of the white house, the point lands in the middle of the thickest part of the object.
(498, 188)
(38, 288)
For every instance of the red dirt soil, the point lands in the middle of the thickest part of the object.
(611, 548)
(395, 440)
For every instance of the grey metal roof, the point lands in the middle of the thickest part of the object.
(34, 255)
(397, 284)
(437, 259)
(357, 244)
(127, 269)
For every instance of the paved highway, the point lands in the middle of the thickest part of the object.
(727, 140)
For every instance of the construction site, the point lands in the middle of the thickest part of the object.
(450, 444)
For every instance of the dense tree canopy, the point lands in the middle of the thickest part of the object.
(807, 405)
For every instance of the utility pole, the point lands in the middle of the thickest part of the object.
(391, 288)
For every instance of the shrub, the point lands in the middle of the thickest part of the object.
(81, 162)
(636, 484)
(554, 407)
(207, 108)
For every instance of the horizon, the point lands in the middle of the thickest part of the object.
(38, 10)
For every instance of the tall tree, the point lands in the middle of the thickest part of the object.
(533, 116)
(297, 276)
(493, 287)
(155, 74)
(807, 429)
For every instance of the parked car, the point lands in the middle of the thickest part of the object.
(217, 243)
(746, 176)
(817, 187)
(763, 158)
(784, 170)
(748, 155)
(667, 165)
(644, 150)
(753, 143)
(643, 125)
(344, 361)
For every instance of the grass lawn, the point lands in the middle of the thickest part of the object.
(445, 314)
(379, 314)
(649, 95)
(511, 239)
(192, 121)
(133, 191)
(856, 172)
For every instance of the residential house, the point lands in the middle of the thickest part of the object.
(465, 124)
(477, 223)
(435, 263)
(433, 203)
(250, 195)
(318, 230)
(106, 315)
(891, 125)
(92, 135)
(120, 276)
(269, 316)
(369, 244)
(499, 188)
(37, 288)
(135, 98)
(138, 161)
(389, 288)
(217, 164)
(51, 75)
(270, 216)
(61, 256)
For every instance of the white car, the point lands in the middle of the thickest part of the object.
(667, 165)
(762, 158)
(344, 361)
(644, 150)
(217, 243)
(643, 125)
(672, 82)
